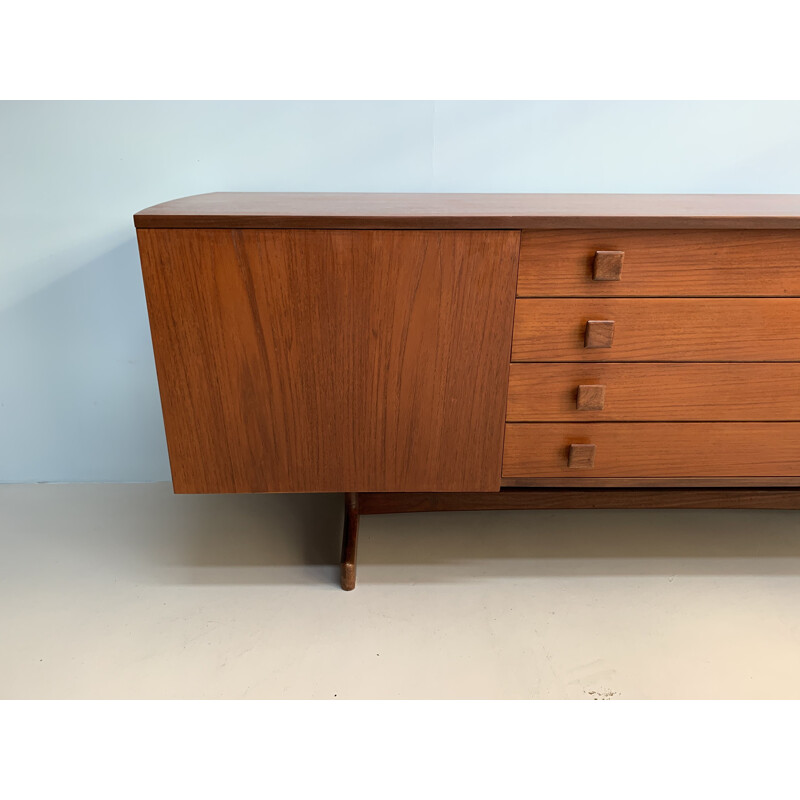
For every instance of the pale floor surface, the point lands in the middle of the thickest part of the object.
(127, 591)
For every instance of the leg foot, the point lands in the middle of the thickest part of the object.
(349, 541)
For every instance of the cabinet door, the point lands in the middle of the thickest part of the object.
(329, 361)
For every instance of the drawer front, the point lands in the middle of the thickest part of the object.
(653, 392)
(659, 263)
(647, 329)
(657, 449)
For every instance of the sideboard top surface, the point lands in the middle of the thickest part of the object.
(473, 211)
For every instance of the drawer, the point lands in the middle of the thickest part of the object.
(653, 392)
(647, 329)
(659, 263)
(652, 449)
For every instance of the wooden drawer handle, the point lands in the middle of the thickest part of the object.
(608, 265)
(581, 456)
(591, 397)
(599, 333)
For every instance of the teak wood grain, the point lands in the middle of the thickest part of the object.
(655, 449)
(654, 392)
(473, 211)
(511, 499)
(598, 334)
(676, 263)
(326, 361)
(589, 397)
(607, 265)
(581, 456)
(645, 329)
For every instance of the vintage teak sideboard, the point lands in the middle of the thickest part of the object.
(423, 352)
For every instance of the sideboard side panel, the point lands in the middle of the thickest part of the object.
(332, 360)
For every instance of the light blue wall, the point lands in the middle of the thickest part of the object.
(78, 394)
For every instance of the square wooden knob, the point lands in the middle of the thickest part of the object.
(591, 397)
(608, 265)
(599, 333)
(581, 456)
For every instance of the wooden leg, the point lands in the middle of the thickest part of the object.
(349, 541)
(358, 504)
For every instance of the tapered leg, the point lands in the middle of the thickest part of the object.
(349, 541)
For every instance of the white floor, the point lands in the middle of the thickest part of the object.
(127, 591)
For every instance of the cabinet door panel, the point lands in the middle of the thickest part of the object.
(329, 361)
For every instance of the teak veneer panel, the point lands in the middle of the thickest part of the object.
(329, 361)
(681, 263)
(655, 449)
(539, 392)
(696, 329)
(473, 211)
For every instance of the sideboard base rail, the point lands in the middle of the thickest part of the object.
(362, 503)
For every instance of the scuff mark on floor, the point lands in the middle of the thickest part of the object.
(601, 694)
